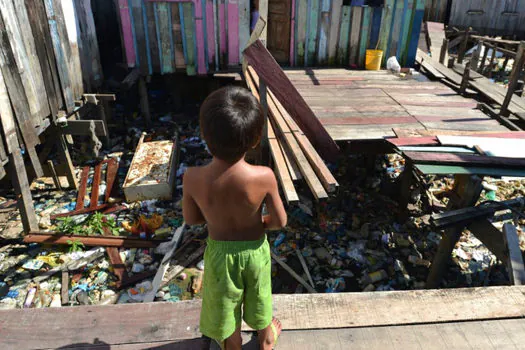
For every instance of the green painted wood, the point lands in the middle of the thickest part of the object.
(187, 11)
(405, 32)
(355, 31)
(396, 28)
(365, 35)
(313, 33)
(344, 31)
(335, 25)
(386, 24)
(164, 19)
(152, 35)
(300, 42)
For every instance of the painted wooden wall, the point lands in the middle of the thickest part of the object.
(490, 17)
(204, 36)
(436, 10)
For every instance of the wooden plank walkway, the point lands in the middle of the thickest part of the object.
(360, 105)
(168, 324)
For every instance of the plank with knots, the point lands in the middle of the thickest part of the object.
(268, 70)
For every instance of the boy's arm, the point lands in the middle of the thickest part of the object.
(276, 217)
(190, 210)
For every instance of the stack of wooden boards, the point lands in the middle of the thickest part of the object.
(294, 156)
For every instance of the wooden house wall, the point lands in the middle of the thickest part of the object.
(48, 58)
(436, 10)
(203, 36)
(489, 17)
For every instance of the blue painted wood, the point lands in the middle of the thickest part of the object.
(216, 21)
(307, 39)
(137, 59)
(415, 31)
(205, 28)
(324, 27)
(159, 43)
(172, 41)
(387, 51)
(183, 31)
(146, 35)
(406, 13)
(194, 30)
(376, 27)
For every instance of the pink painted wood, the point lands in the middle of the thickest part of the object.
(210, 28)
(199, 24)
(127, 33)
(233, 32)
(222, 29)
(292, 36)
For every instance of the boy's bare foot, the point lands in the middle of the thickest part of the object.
(268, 336)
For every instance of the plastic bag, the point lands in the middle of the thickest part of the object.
(393, 65)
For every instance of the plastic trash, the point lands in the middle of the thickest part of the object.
(393, 65)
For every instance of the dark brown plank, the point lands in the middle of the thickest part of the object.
(92, 241)
(270, 72)
(464, 159)
(367, 120)
(514, 263)
(152, 35)
(140, 34)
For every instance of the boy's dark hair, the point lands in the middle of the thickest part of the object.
(231, 122)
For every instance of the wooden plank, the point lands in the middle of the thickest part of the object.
(81, 127)
(313, 19)
(443, 70)
(165, 35)
(513, 79)
(446, 158)
(342, 48)
(44, 50)
(263, 13)
(67, 29)
(268, 69)
(91, 241)
(178, 46)
(355, 31)
(300, 42)
(140, 33)
(16, 162)
(16, 22)
(61, 56)
(233, 32)
(375, 27)
(153, 40)
(397, 23)
(244, 25)
(211, 34)
(127, 32)
(293, 169)
(386, 25)
(491, 237)
(365, 34)
(200, 29)
(335, 23)
(187, 24)
(222, 35)
(324, 32)
(515, 264)
(288, 269)
(405, 31)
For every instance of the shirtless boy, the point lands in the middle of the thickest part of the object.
(228, 195)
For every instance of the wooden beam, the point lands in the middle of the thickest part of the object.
(81, 127)
(513, 79)
(515, 264)
(463, 48)
(64, 290)
(65, 160)
(95, 98)
(443, 54)
(464, 159)
(465, 79)
(491, 237)
(91, 241)
(268, 70)
(288, 269)
(56, 179)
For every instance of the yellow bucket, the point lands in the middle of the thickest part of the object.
(373, 59)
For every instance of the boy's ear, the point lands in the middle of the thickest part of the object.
(257, 142)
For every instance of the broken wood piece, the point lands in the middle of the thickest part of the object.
(515, 264)
(64, 289)
(130, 79)
(305, 267)
(164, 265)
(91, 241)
(268, 70)
(298, 278)
(81, 127)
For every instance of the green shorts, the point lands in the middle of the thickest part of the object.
(236, 273)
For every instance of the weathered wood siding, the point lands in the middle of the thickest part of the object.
(490, 17)
(214, 33)
(48, 58)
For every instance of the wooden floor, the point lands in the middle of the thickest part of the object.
(358, 105)
(470, 318)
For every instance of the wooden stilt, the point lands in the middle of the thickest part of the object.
(466, 193)
(484, 59)
(444, 51)
(464, 80)
(404, 190)
(513, 80)
(23, 194)
(475, 56)
(492, 59)
(65, 159)
(514, 263)
(144, 103)
(463, 47)
(56, 179)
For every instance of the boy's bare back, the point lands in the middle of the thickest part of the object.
(229, 199)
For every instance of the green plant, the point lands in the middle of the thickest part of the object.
(96, 224)
(75, 246)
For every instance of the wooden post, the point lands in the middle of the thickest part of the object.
(519, 88)
(513, 80)
(505, 63)
(144, 103)
(65, 159)
(514, 263)
(467, 190)
(484, 59)
(263, 13)
(463, 47)
(451, 62)
(464, 81)
(492, 59)
(56, 179)
(475, 57)
(64, 290)
(444, 51)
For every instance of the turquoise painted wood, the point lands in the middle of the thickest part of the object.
(386, 25)
(324, 31)
(342, 49)
(355, 31)
(405, 30)
(396, 28)
(365, 34)
(417, 20)
(312, 32)
(188, 33)
(164, 23)
(375, 27)
(335, 16)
